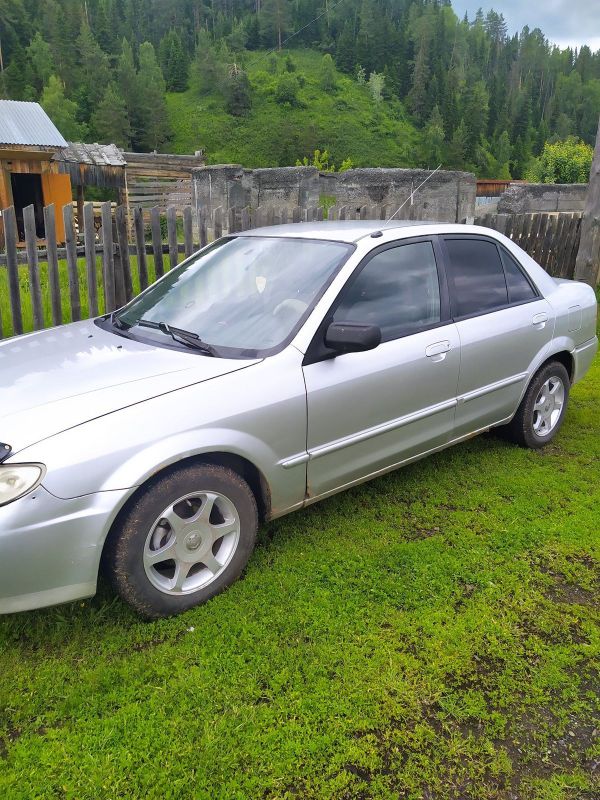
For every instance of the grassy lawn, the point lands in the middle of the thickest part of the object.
(5, 313)
(433, 634)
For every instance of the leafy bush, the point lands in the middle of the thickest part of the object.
(567, 161)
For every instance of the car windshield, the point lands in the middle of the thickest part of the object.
(246, 294)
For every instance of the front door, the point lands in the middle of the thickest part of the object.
(370, 411)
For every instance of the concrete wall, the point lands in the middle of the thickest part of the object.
(447, 196)
(526, 198)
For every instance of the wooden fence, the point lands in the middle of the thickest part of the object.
(550, 239)
(96, 271)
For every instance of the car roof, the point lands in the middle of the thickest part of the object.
(338, 230)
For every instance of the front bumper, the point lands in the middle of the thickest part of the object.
(50, 548)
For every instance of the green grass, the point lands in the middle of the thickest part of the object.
(432, 634)
(6, 327)
(345, 121)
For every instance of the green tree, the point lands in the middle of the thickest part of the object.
(568, 161)
(345, 52)
(110, 121)
(327, 74)
(433, 139)
(286, 90)
(238, 96)
(376, 85)
(42, 62)
(62, 112)
(275, 21)
(153, 124)
(94, 72)
(173, 62)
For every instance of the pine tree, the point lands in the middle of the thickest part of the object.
(110, 121)
(327, 74)
(433, 139)
(345, 53)
(94, 72)
(61, 111)
(153, 124)
(42, 62)
(238, 97)
(173, 62)
(275, 22)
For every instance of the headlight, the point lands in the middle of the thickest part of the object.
(17, 480)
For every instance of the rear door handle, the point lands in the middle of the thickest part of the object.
(437, 351)
(539, 320)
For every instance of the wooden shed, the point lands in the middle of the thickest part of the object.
(29, 175)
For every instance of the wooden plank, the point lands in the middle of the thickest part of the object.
(546, 259)
(283, 216)
(11, 236)
(89, 240)
(156, 242)
(296, 214)
(52, 256)
(203, 229)
(35, 291)
(188, 237)
(125, 282)
(320, 213)
(172, 236)
(108, 268)
(342, 213)
(73, 272)
(231, 221)
(140, 247)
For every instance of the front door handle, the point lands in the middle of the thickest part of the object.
(539, 320)
(437, 351)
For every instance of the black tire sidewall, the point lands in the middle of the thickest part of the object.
(128, 539)
(525, 414)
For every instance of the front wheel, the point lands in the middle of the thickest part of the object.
(542, 409)
(183, 540)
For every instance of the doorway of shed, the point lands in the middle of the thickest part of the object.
(26, 191)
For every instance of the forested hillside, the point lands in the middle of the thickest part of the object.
(379, 82)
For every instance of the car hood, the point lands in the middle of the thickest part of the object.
(57, 379)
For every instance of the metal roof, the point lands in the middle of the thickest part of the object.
(97, 155)
(27, 124)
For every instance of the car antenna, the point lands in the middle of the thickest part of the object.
(411, 195)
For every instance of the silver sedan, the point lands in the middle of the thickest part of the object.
(266, 372)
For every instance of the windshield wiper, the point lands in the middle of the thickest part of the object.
(118, 323)
(188, 338)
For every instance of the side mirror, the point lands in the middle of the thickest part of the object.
(351, 337)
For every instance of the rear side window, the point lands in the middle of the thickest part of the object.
(476, 276)
(519, 288)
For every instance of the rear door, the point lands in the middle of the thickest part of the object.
(369, 411)
(503, 323)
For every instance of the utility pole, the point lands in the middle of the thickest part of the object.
(587, 266)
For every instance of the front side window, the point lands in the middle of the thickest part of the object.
(247, 294)
(476, 276)
(398, 290)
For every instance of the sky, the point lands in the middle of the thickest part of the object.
(565, 22)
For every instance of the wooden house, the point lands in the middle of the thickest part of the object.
(29, 175)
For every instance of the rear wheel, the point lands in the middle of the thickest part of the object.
(186, 538)
(542, 410)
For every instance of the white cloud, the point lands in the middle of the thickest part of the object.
(568, 23)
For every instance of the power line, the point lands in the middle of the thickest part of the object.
(304, 27)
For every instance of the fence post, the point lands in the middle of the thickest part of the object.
(11, 237)
(89, 243)
(124, 284)
(71, 248)
(187, 231)
(108, 269)
(172, 235)
(159, 269)
(32, 263)
(53, 276)
(140, 246)
(218, 222)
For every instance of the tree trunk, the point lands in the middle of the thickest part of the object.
(587, 266)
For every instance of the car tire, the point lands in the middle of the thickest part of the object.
(184, 539)
(542, 409)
